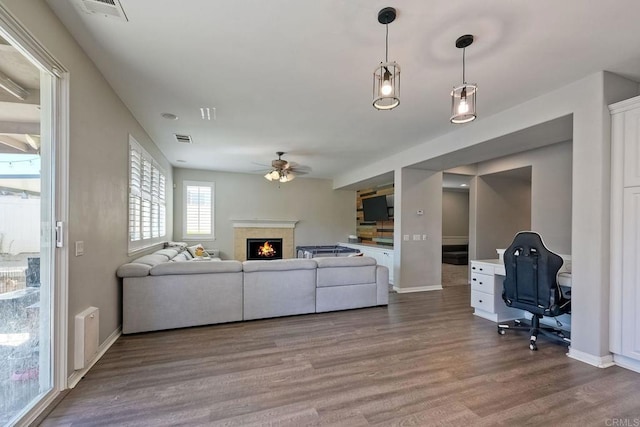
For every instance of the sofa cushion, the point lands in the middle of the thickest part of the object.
(151, 259)
(168, 252)
(183, 256)
(199, 267)
(345, 271)
(279, 265)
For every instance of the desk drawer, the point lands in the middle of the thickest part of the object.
(482, 282)
(482, 301)
(481, 268)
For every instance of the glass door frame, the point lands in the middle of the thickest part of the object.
(56, 91)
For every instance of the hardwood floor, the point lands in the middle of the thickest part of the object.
(425, 360)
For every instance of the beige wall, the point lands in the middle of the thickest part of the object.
(504, 208)
(418, 262)
(98, 154)
(325, 216)
(455, 213)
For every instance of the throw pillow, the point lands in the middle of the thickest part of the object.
(179, 246)
(198, 251)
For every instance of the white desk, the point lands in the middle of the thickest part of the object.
(486, 292)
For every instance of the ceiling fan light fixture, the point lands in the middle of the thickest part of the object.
(281, 171)
(386, 76)
(463, 97)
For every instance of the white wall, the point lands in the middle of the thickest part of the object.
(455, 213)
(98, 160)
(326, 216)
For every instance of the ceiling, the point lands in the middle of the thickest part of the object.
(296, 76)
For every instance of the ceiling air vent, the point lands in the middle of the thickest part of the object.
(107, 8)
(185, 139)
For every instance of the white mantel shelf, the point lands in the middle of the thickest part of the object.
(264, 223)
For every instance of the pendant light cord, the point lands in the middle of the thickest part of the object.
(386, 45)
(463, 55)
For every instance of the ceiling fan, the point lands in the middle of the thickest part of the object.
(284, 171)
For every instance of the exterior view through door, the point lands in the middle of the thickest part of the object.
(26, 247)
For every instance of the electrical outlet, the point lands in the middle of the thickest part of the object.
(416, 237)
(424, 237)
(405, 237)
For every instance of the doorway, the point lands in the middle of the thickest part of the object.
(455, 229)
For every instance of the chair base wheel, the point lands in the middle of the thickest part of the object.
(533, 346)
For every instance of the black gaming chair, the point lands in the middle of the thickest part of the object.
(531, 285)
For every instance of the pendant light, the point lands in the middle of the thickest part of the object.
(463, 97)
(386, 76)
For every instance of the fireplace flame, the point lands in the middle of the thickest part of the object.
(266, 250)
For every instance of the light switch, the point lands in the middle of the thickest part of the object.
(424, 237)
(405, 237)
(79, 248)
(416, 237)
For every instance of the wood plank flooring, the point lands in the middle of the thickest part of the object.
(425, 360)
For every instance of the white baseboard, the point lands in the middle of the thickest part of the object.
(76, 376)
(627, 363)
(597, 361)
(417, 289)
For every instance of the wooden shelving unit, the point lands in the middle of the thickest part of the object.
(374, 232)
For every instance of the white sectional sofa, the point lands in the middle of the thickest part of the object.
(162, 293)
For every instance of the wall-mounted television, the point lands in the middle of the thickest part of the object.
(375, 208)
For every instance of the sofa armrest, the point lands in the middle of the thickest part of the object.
(133, 269)
(382, 282)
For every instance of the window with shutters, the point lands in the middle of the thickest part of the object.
(198, 208)
(147, 205)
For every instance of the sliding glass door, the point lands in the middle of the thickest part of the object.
(27, 247)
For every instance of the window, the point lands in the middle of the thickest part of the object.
(198, 205)
(147, 193)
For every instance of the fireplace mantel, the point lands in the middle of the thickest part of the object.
(264, 223)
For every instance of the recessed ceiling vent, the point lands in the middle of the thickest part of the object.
(184, 139)
(107, 8)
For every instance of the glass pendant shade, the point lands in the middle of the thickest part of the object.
(463, 103)
(386, 76)
(386, 86)
(463, 97)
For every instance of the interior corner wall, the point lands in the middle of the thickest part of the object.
(503, 209)
(455, 213)
(98, 173)
(420, 260)
(551, 192)
(326, 216)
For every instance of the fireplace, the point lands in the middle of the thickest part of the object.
(264, 249)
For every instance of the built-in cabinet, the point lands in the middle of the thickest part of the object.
(486, 291)
(383, 256)
(625, 233)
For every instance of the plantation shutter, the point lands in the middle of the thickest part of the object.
(198, 210)
(147, 199)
